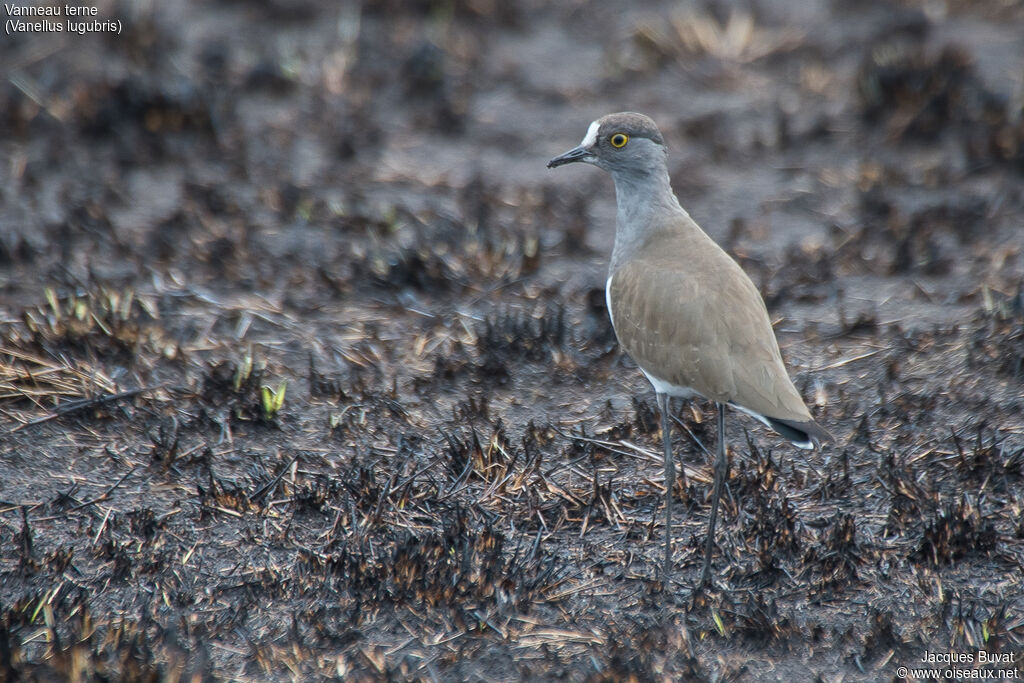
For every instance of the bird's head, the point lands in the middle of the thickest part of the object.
(623, 142)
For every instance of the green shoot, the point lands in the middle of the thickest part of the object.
(272, 400)
(244, 370)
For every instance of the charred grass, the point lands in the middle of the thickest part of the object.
(315, 417)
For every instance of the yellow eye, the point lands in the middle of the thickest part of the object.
(619, 140)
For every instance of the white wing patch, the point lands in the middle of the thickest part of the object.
(608, 292)
(663, 387)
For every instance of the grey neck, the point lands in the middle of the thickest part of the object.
(646, 205)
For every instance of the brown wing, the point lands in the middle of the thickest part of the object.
(689, 315)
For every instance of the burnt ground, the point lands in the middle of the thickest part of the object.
(463, 481)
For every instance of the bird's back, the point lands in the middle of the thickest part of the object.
(689, 316)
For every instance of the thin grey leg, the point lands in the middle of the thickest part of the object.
(670, 479)
(721, 466)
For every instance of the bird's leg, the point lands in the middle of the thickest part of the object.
(721, 467)
(670, 479)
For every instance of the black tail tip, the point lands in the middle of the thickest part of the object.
(801, 434)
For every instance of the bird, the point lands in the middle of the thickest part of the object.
(683, 309)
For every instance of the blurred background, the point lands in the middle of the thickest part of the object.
(206, 127)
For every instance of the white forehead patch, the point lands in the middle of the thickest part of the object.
(591, 137)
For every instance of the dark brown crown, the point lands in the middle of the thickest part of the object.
(632, 124)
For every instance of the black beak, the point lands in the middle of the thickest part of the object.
(580, 153)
